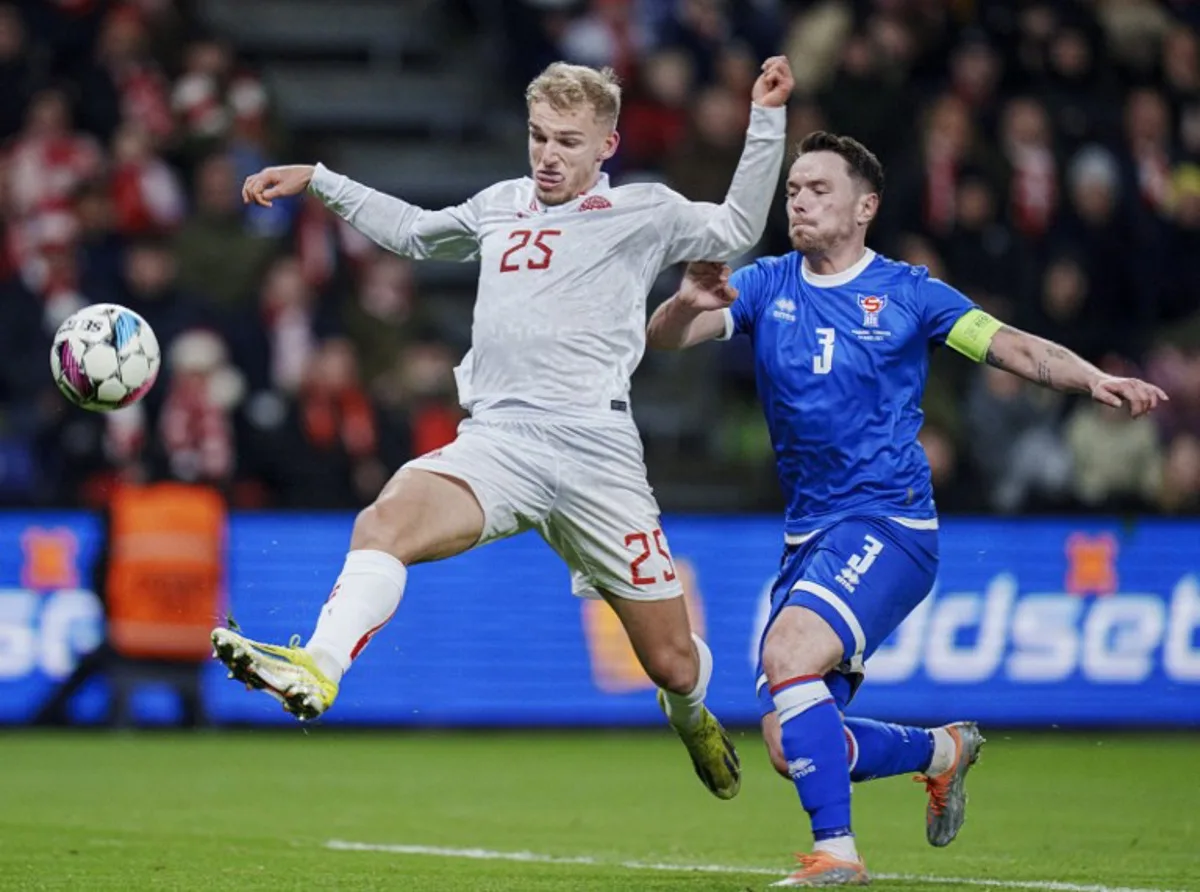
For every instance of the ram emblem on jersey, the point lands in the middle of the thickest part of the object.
(872, 305)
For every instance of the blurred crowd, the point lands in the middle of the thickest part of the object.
(127, 133)
(1044, 157)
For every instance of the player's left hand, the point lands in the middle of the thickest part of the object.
(1138, 395)
(775, 84)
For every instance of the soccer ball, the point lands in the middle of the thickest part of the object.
(104, 357)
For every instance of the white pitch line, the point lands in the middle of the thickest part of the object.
(587, 860)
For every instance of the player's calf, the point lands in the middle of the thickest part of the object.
(681, 665)
(773, 738)
(799, 650)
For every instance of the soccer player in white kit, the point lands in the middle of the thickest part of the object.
(566, 262)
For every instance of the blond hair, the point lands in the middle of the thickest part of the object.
(565, 87)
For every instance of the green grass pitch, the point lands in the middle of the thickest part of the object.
(247, 811)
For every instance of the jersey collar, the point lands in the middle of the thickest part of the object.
(835, 280)
(602, 186)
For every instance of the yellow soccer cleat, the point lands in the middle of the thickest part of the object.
(713, 756)
(286, 673)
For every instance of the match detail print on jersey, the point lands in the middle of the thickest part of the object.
(972, 334)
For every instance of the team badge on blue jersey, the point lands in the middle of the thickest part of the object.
(872, 305)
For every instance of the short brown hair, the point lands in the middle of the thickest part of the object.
(567, 86)
(863, 164)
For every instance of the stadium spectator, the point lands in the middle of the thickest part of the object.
(1012, 430)
(1045, 157)
(1118, 460)
(217, 256)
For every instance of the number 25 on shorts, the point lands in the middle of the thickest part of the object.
(640, 542)
(530, 250)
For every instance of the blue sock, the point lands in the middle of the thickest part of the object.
(814, 745)
(878, 749)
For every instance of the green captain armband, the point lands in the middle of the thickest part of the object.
(972, 334)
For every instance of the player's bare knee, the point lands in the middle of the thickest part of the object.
(387, 525)
(372, 530)
(800, 643)
(673, 666)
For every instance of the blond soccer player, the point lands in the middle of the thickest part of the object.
(566, 261)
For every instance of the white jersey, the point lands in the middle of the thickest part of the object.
(560, 314)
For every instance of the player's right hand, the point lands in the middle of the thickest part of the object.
(706, 286)
(276, 182)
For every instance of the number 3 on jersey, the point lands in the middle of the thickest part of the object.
(823, 361)
(538, 254)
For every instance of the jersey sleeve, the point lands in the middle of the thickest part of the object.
(941, 308)
(405, 229)
(697, 230)
(752, 283)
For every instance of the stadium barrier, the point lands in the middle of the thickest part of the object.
(1032, 623)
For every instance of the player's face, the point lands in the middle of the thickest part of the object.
(826, 207)
(566, 149)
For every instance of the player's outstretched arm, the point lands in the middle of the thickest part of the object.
(696, 312)
(1054, 366)
(706, 231)
(396, 225)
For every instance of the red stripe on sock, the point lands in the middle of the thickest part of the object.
(787, 683)
(851, 746)
(366, 639)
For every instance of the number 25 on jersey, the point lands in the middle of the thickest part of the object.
(529, 249)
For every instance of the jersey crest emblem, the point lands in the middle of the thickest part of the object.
(595, 203)
(871, 305)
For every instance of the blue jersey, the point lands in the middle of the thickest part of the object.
(841, 363)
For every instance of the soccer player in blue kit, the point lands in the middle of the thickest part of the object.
(842, 338)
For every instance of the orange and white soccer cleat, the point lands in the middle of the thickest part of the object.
(823, 869)
(947, 808)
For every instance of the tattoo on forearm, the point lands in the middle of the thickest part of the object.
(1043, 373)
(1056, 352)
(993, 360)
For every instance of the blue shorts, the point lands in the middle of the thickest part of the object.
(863, 576)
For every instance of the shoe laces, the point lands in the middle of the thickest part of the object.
(937, 788)
(294, 641)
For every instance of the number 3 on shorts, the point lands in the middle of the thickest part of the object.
(641, 543)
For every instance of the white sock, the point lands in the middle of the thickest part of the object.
(945, 750)
(840, 847)
(684, 710)
(363, 600)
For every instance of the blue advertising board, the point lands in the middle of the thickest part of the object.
(1031, 623)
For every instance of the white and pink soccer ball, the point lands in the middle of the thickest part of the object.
(105, 357)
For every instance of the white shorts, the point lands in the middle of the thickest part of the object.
(583, 488)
